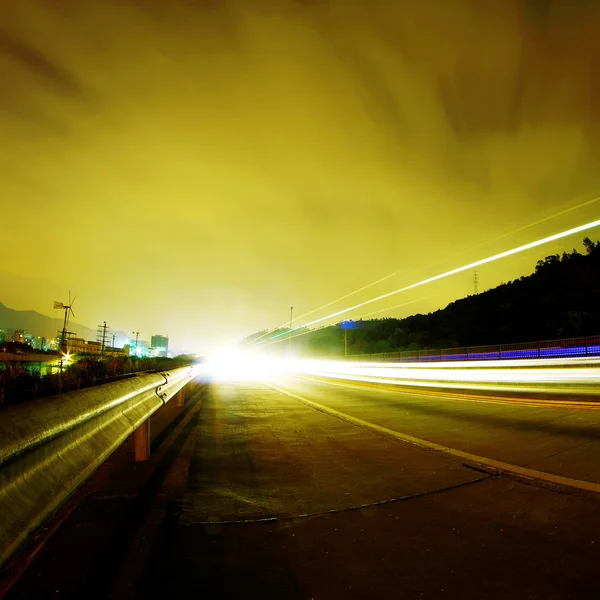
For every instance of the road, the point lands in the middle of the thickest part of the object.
(275, 495)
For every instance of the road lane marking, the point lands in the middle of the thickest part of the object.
(496, 465)
(531, 402)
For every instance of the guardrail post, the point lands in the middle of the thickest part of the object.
(141, 441)
(180, 397)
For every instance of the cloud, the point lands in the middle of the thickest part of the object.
(286, 152)
(40, 66)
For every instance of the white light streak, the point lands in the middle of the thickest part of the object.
(470, 266)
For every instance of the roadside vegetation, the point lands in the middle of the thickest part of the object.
(20, 383)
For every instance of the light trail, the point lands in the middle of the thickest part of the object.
(519, 229)
(500, 237)
(569, 376)
(293, 337)
(393, 307)
(310, 312)
(483, 261)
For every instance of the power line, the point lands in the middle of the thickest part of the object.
(102, 335)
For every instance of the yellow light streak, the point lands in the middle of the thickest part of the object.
(269, 342)
(572, 376)
(393, 307)
(310, 312)
(523, 228)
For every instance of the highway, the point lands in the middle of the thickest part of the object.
(297, 488)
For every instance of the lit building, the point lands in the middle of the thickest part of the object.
(140, 349)
(159, 345)
(19, 336)
(94, 347)
(32, 341)
(80, 346)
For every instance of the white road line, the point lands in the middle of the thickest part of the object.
(467, 456)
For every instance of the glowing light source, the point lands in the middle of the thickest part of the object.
(231, 364)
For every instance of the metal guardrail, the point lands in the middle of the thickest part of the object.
(566, 348)
(48, 448)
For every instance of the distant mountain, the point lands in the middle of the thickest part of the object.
(37, 324)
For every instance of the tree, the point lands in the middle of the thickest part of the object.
(589, 245)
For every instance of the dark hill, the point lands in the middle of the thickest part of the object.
(37, 324)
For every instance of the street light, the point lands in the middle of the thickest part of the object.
(345, 325)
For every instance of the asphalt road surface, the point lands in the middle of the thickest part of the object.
(275, 494)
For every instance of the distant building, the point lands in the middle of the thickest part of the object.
(159, 345)
(80, 346)
(32, 341)
(94, 347)
(37, 342)
(19, 336)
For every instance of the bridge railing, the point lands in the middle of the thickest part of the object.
(565, 348)
(48, 448)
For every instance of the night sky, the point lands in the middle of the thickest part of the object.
(195, 168)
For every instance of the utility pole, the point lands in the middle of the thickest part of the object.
(290, 332)
(475, 283)
(113, 341)
(103, 336)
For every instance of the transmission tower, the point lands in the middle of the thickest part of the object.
(475, 283)
(102, 335)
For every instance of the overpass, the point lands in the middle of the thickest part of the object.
(315, 480)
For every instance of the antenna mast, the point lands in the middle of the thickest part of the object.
(102, 335)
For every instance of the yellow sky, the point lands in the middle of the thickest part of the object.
(196, 168)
